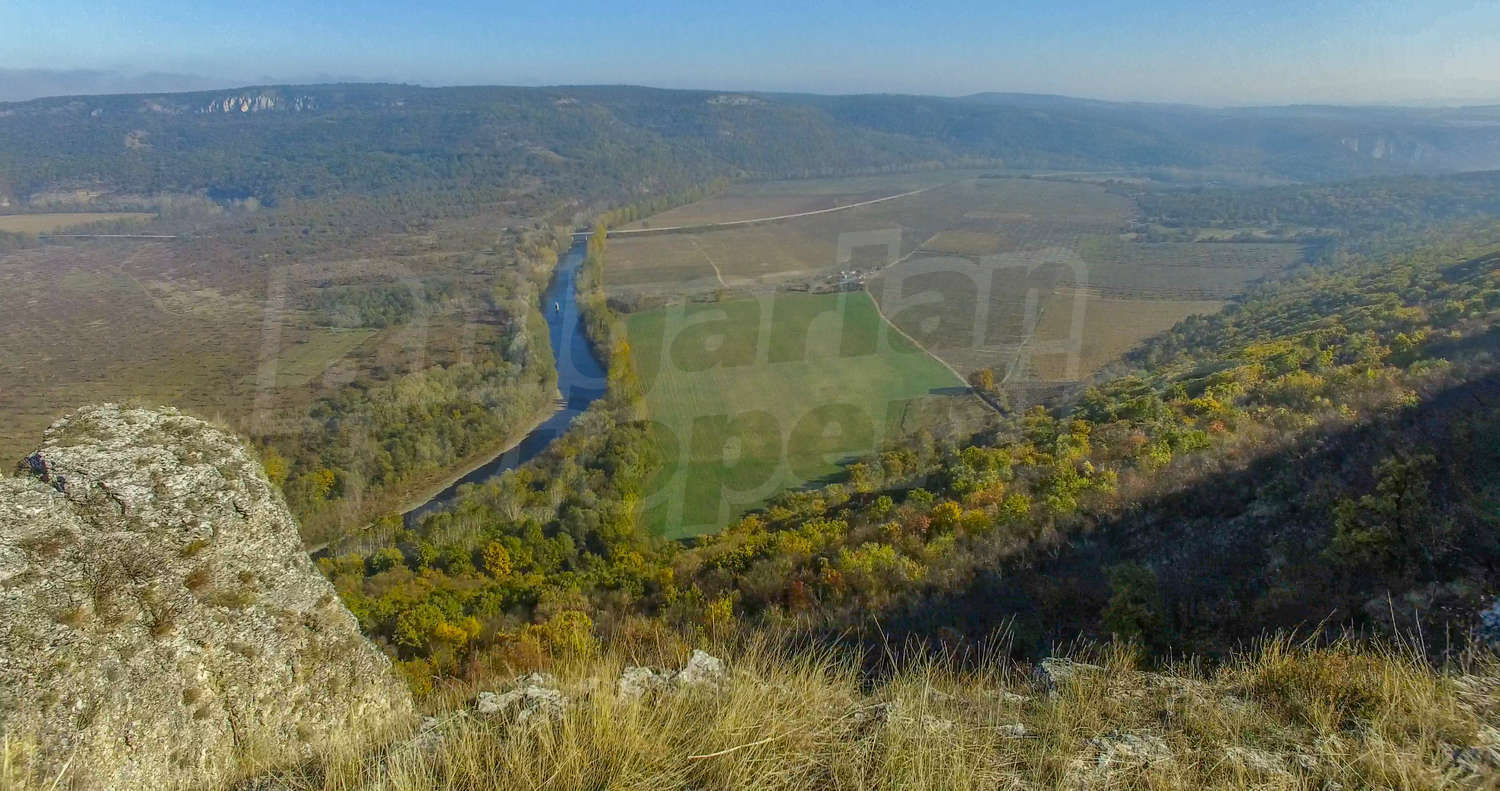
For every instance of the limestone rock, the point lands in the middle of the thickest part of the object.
(702, 671)
(888, 713)
(533, 695)
(159, 619)
(1255, 761)
(1130, 749)
(637, 682)
(931, 724)
(1489, 625)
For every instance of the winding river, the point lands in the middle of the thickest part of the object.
(580, 380)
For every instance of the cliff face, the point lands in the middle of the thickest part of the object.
(259, 102)
(160, 624)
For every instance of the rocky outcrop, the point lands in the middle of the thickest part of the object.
(259, 102)
(160, 624)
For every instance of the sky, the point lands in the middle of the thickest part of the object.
(1223, 52)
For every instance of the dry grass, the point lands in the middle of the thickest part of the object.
(963, 243)
(1282, 717)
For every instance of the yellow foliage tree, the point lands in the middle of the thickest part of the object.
(496, 560)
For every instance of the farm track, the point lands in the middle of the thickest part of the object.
(717, 274)
(713, 226)
(927, 351)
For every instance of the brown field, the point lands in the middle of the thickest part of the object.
(966, 243)
(772, 198)
(727, 208)
(187, 322)
(1111, 327)
(82, 326)
(48, 223)
(1180, 270)
(806, 249)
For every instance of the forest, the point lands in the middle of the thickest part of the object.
(1350, 210)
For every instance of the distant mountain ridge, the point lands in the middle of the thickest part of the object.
(273, 142)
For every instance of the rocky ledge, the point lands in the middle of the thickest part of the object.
(160, 624)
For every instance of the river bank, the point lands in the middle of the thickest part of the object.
(471, 463)
(580, 380)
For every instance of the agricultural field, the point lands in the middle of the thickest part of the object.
(1110, 327)
(774, 198)
(1180, 270)
(984, 215)
(1059, 314)
(58, 221)
(755, 396)
(1038, 280)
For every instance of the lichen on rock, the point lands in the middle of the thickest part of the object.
(160, 623)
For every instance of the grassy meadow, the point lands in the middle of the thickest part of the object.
(758, 395)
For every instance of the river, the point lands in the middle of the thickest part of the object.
(580, 380)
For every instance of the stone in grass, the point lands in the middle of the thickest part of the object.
(638, 682)
(534, 695)
(703, 671)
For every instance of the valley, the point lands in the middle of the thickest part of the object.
(997, 372)
(911, 397)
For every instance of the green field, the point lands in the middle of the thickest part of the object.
(756, 396)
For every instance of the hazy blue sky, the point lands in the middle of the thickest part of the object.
(1182, 50)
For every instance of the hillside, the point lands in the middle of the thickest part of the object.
(276, 143)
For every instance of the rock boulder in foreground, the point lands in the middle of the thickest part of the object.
(160, 623)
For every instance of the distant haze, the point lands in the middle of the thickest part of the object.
(1229, 53)
(20, 84)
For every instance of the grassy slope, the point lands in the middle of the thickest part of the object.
(797, 381)
(1281, 717)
